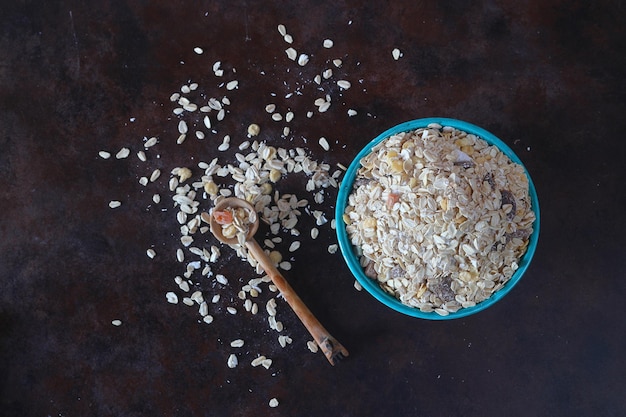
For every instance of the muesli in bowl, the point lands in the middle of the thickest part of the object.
(439, 218)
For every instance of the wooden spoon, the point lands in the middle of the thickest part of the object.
(333, 350)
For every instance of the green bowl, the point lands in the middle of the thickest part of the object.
(348, 251)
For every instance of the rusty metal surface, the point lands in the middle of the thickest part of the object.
(75, 78)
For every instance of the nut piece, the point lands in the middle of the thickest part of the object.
(253, 129)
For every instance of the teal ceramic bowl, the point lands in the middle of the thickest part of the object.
(348, 251)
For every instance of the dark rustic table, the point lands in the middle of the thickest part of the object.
(77, 78)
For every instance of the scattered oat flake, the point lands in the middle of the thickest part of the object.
(324, 143)
(171, 297)
(237, 343)
(282, 30)
(151, 253)
(328, 43)
(396, 54)
(291, 53)
(303, 59)
(114, 204)
(123, 153)
(116, 322)
(104, 154)
(312, 346)
(273, 403)
(232, 361)
(344, 84)
(198, 50)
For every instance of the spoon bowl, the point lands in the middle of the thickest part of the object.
(233, 203)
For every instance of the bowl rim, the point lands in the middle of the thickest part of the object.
(351, 259)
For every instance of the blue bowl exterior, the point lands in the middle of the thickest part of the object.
(352, 260)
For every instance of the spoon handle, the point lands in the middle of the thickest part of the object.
(333, 350)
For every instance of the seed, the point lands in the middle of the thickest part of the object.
(282, 30)
(143, 181)
(324, 143)
(303, 59)
(182, 127)
(123, 153)
(332, 248)
(291, 53)
(232, 85)
(151, 253)
(180, 255)
(208, 319)
(156, 198)
(171, 297)
(207, 122)
(312, 346)
(116, 322)
(343, 84)
(314, 233)
(114, 204)
(327, 73)
(285, 265)
(351, 112)
(273, 403)
(221, 279)
(288, 38)
(270, 108)
(337, 63)
(328, 43)
(267, 363)
(277, 117)
(253, 129)
(181, 138)
(198, 50)
(220, 115)
(289, 116)
(104, 154)
(294, 246)
(231, 310)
